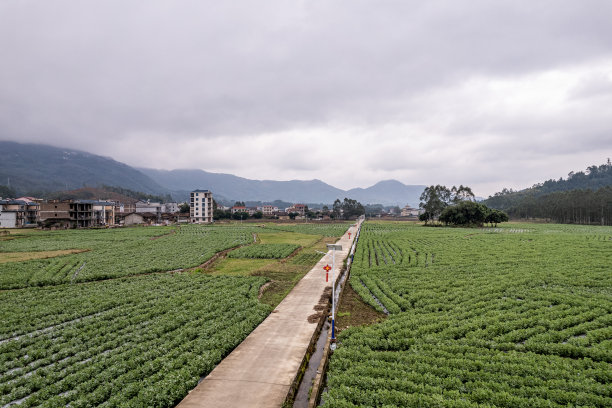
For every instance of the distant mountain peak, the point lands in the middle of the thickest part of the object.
(37, 167)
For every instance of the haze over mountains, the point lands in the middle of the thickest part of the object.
(31, 168)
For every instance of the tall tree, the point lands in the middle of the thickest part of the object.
(433, 200)
(352, 208)
(337, 209)
(462, 193)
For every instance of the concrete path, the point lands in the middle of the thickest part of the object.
(261, 370)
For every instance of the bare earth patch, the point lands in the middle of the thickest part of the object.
(353, 311)
(26, 256)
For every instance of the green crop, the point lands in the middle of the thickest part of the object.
(327, 230)
(116, 252)
(518, 316)
(139, 341)
(264, 251)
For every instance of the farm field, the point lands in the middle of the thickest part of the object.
(264, 251)
(114, 253)
(326, 230)
(283, 254)
(141, 341)
(122, 331)
(518, 316)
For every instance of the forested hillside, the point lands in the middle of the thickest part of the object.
(37, 169)
(585, 197)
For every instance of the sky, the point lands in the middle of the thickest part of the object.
(489, 94)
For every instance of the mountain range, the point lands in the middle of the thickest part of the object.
(37, 169)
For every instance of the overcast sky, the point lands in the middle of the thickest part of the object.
(486, 93)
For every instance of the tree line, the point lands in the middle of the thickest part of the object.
(567, 207)
(582, 198)
(456, 206)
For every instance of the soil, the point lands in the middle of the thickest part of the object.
(263, 289)
(322, 307)
(355, 312)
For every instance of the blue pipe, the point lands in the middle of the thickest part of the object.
(333, 329)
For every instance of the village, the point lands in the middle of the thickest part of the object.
(32, 212)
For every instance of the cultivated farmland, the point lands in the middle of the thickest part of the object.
(142, 341)
(327, 230)
(115, 253)
(264, 251)
(519, 316)
(110, 327)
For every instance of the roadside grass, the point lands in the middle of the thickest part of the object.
(283, 237)
(26, 256)
(283, 277)
(239, 266)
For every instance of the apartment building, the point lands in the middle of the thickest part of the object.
(67, 214)
(296, 208)
(12, 213)
(170, 208)
(269, 209)
(201, 206)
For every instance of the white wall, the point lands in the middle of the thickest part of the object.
(8, 219)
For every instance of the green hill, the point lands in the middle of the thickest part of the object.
(36, 169)
(585, 197)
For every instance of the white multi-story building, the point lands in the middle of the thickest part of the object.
(148, 206)
(269, 209)
(201, 206)
(170, 208)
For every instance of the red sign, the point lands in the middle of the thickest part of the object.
(327, 268)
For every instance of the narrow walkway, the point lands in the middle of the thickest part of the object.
(260, 371)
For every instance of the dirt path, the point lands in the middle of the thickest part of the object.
(263, 369)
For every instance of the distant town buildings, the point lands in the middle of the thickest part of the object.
(12, 213)
(66, 214)
(409, 211)
(238, 208)
(79, 213)
(170, 208)
(296, 208)
(30, 211)
(268, 210)
(201, 206)
(148, 207)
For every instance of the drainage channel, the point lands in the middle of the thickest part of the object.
(303, 395)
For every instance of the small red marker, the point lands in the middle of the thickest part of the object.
(327, 268)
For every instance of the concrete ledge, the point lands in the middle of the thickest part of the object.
(311, 347)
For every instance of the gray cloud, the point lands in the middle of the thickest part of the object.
(421, 91)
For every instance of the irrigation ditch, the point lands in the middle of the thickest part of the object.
(312, 383)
